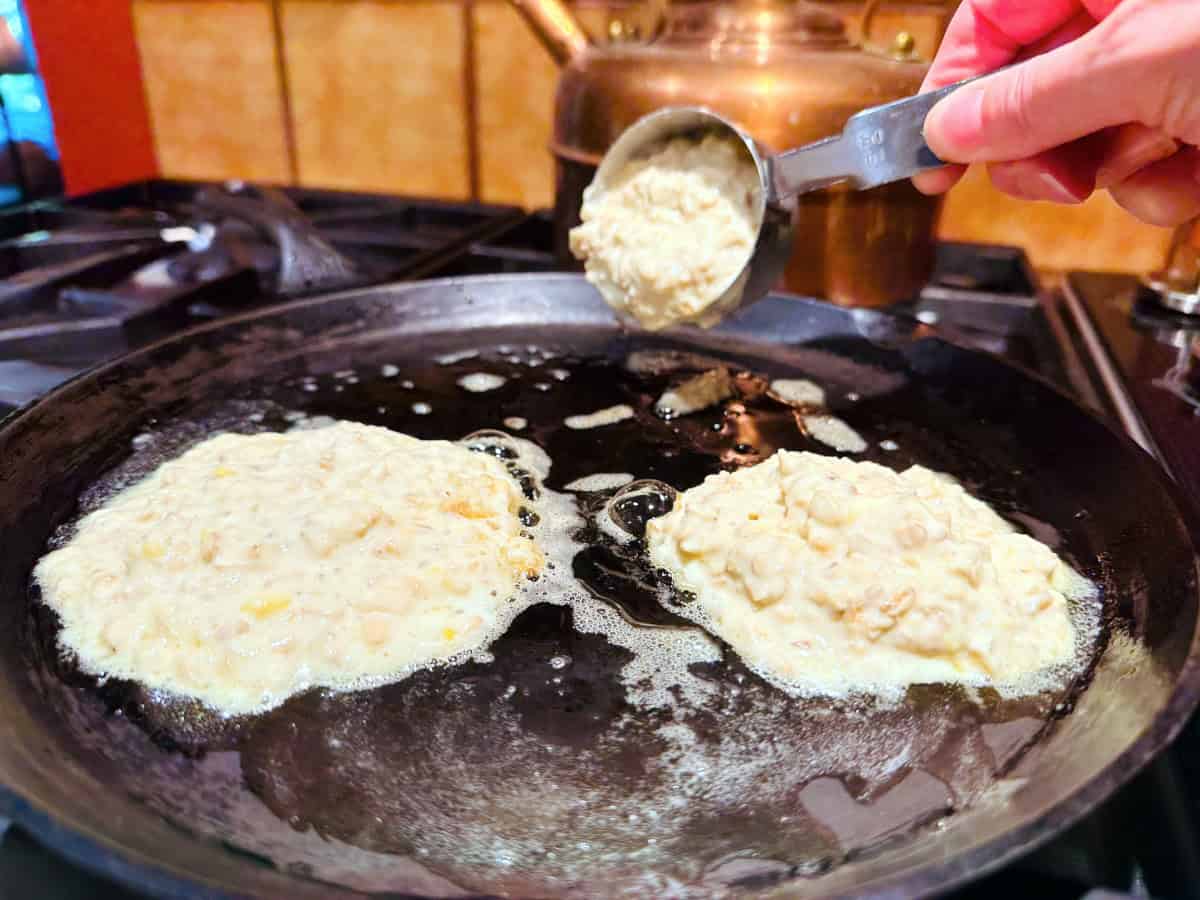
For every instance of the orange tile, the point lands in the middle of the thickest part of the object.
(212, 88)
(378, 95)
(515, 80)
(1095, 235)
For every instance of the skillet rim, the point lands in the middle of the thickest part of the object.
(128, 867)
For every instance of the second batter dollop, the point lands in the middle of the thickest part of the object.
(841, 576)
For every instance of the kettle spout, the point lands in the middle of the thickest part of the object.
(556, 27)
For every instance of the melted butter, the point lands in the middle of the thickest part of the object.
(481, 382)
(833, 432)
(601, 417)
(540, 764)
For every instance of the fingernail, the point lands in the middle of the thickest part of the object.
(1150, 149)
(1036, 179)
(1057, 191)
(1154, 207)
(938, 181)
(954, 128)
(927, 184)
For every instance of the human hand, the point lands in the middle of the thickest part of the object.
(1106, 94)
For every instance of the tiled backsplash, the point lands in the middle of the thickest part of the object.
(213, 89)
(378, 95)
(451, 98)
(454, 98)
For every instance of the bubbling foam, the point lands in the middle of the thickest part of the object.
(662, 657)
(600, 481)
(481, 382)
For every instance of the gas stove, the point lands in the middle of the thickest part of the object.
(86, 279)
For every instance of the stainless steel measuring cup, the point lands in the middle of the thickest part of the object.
(878, 146)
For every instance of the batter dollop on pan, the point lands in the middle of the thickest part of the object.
(834, 576)
(257, 566)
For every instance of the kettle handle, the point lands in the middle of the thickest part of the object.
(556, 27)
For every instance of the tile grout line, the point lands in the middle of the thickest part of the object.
(155, 139)
(471, 98)
(285, 91)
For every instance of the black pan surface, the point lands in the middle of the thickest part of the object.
(535, 774)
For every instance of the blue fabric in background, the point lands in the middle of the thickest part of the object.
(25, 95)
(25, 102)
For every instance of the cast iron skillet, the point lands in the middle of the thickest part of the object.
(510, 777)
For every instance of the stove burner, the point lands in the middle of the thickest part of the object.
(112, 270)
(299, 258)
(1177, 287)
(1184, 302)
(1183, 378)
(1181, 333)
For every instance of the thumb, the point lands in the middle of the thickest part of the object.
(1046, 101)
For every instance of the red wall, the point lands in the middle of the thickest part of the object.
(88, 58)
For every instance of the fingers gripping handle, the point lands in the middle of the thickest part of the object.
(890, 139)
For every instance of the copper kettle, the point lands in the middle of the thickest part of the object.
(788, 74)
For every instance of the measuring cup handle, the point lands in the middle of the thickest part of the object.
(917, 110)
(889, 141)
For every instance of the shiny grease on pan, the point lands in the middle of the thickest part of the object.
(536, 767)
